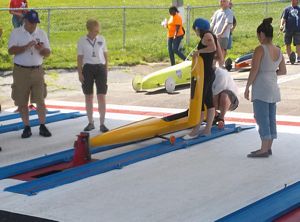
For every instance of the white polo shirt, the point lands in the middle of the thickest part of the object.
(92, 50)
(21, 37)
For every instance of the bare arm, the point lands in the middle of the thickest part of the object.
(282, 23)
(223, 30)
(282, 68)
(233, 26)
(176, 31)
(219, 55)
(257, 55)
(45, 52)
(209, 41)
(106, 59)
(79, 67)
(15, 50)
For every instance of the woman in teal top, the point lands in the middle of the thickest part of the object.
(267, 63)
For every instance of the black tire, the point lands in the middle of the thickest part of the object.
(228, 64)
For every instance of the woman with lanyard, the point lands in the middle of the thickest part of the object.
(92, 66)
(175, 34)
(209, 49)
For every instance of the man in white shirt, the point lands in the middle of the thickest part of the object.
(29, 45)
(221, 24)
(92, 64)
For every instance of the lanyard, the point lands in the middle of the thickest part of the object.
(93, 45)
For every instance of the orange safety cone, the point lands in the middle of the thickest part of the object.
(82, 153)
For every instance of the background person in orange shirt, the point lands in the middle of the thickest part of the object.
(175, 34)
(18, 15)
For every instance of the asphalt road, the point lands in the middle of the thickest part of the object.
(65, 86)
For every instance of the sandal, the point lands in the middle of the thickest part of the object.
(258, 155)
(216, 118)
(221, 124)
(269, 151)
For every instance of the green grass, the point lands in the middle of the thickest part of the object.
(145, 38)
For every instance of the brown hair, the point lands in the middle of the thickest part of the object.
(91, 23)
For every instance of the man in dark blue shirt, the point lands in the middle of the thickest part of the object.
(290, 23)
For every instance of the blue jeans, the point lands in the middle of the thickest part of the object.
(265, 116)
(229, 42)
(173, 47)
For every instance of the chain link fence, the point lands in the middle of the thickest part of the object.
(135, 29)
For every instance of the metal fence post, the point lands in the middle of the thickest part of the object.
(124, 27)
(49, 22)
(267, 9)
(188, 24)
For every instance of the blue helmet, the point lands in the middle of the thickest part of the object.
(201, 24)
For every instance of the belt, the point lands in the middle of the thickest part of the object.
(28, 67)
(89, 64)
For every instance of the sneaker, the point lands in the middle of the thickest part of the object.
(292, 58)
(44, 131)
(103, 128)
(89, 127)
(298, 59)
(26, 132)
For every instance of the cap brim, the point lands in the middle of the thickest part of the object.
(34, 21)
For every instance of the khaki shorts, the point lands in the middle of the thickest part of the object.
(223, 43)
(28, 82)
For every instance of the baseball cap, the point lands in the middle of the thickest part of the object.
(32, 16)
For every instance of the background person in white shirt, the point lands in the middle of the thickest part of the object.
(92, 64)
(221, 24)
(29, 45)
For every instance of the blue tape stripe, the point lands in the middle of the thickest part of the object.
(17, 115)
(269, 208)
(116, 162)
(34, 164)
(48, 160)
(35, 122)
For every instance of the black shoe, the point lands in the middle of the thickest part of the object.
(26, 132)
(89, 127)
(292, 58)
(258, 155)
(103, 128)
(44, 131)
(269, 151)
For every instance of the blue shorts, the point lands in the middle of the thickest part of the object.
(289, 36)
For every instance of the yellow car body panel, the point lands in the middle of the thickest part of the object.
(153, 127)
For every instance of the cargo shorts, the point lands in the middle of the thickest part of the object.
(28, 83)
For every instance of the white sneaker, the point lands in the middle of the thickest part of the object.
(189, 137)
